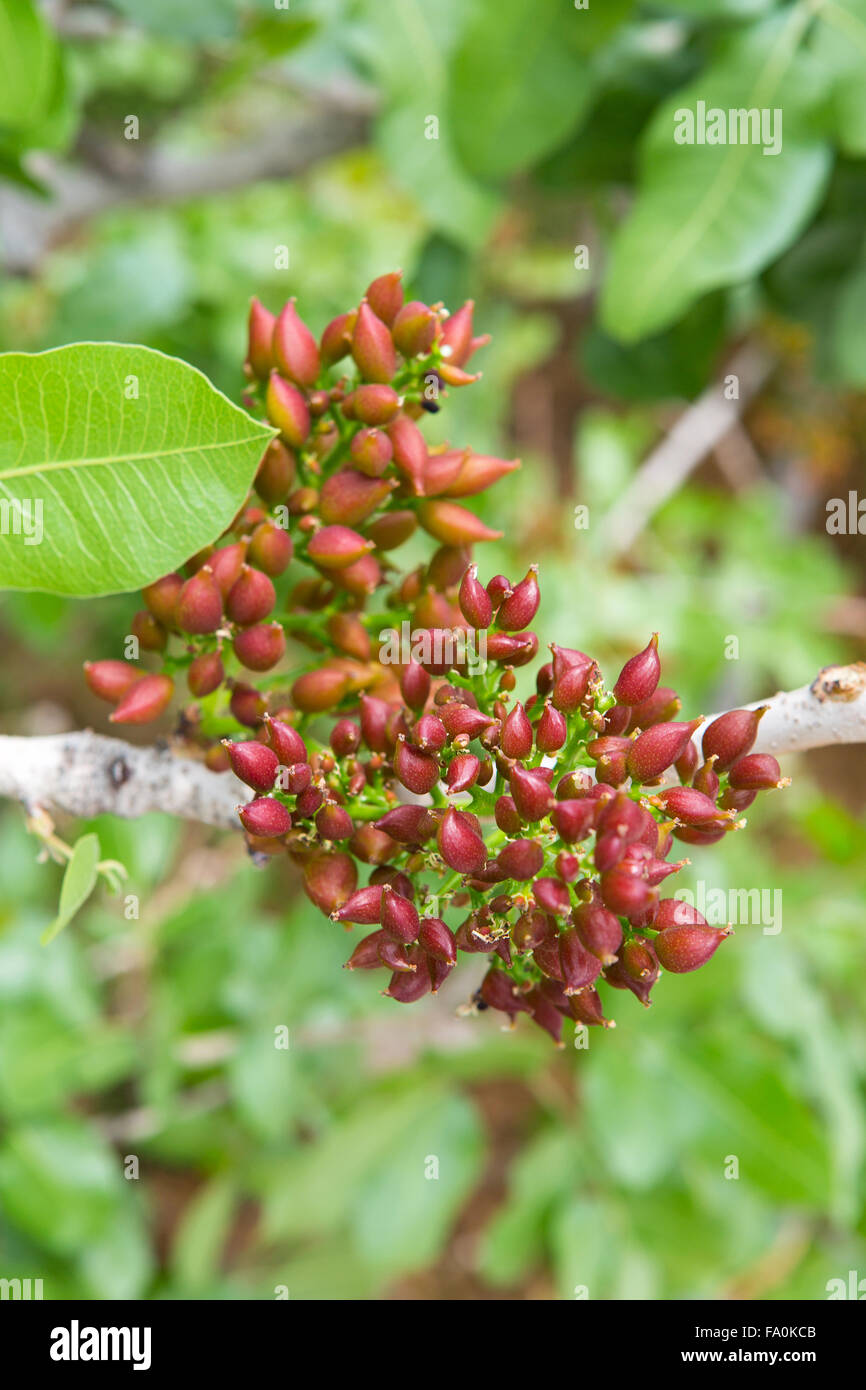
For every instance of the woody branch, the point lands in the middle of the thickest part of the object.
(109, 176)
(86, 774)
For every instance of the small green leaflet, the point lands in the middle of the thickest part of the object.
(116, 464)
(79, 881)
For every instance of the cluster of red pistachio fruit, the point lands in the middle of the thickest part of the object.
(545, 825)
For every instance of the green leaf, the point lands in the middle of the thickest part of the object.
(119, 1265)
(586, 1243)
(327, 1271)
(403, 1213)
(709, 1101)
(316, 1190)
(588, 28)
(34, 110)
(809, 283)
(263, 1080)
(195, 20)
(44, 1059)
(79, 881)
(671, 364)
(849, 330)
(409, 52)
(545, 1170)
(131, 288)
(431, 172)
(780, 991)
(202, 1233)
(841, 44)
(706, 215)
(718, 9)
(59, 1184)
(116, 464)
(516, 86)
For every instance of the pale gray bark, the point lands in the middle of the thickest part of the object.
(87, 774)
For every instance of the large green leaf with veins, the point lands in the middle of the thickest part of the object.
(116, 464)
(709, 216)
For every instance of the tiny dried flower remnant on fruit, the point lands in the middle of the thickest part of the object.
(431, 801)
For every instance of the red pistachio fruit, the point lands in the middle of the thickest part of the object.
(330, 877)
(205, 674)
(260, 647)
(516, 738)
(551, 731)
(288, 410)
(409, 825)
(520, 859)
(285, 741)
(110, 680)
(319, 690)
(578, 965)
(474, 600)
(731, 736)
(691, 807)
(688, 947)
(333, 822)
(599, 929)
(452, 524)
(456, 337)
(294, 347)
(437, 940)
(265, 816)
(531, 793)
(336, 339)
(260, 333)
(385, 296)
(674, 912)
(459, 843)
(251, 598)
(399, 916)
(372, 347)
(417, 771)
(414, 328)
(144, 701)
(363, 906)
(658, 748)
(756, 772)
(334, 547)
(270, 549)
(639, 676)
(199, 607)
(253, 763)
(276, 473)
(366, 954)
(520, 607)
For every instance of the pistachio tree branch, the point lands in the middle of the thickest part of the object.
(831, 710)
(86, 774)
(116, 177)
(700, 429)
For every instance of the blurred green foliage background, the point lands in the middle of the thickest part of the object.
(306, 1170)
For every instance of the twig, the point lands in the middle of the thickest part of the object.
(696, 433)
(87, 774)
(831, 710)
(30, 226)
